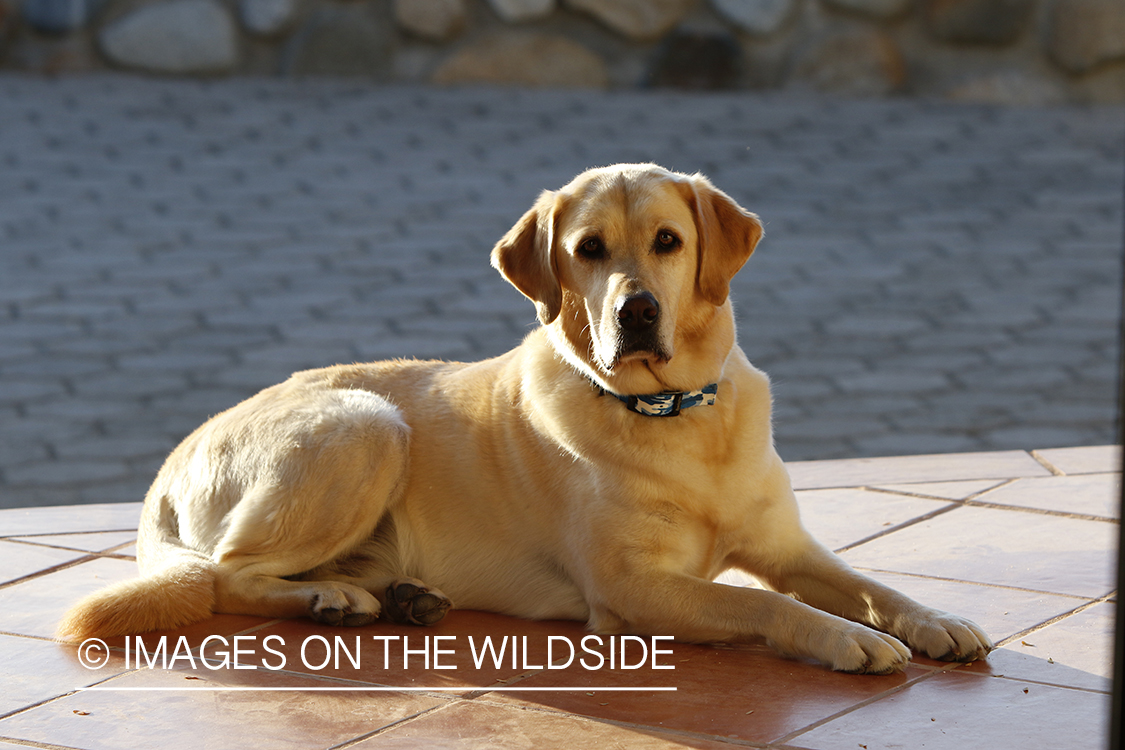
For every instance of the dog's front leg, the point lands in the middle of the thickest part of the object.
(692, 609)
(821, 579)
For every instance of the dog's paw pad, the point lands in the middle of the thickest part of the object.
(347, 606)
(356, 619)
(328, 615)
(409, 604)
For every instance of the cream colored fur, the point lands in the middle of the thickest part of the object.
(512, 485)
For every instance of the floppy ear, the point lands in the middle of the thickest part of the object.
(525, 256)
(728, 235)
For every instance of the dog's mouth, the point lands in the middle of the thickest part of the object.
(651, 354)
(625, 349)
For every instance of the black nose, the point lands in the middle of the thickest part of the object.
(638, 313)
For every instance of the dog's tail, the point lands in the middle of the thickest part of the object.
(177, 595)
(179, 589)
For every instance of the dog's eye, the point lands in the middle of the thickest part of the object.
(666, 241)
(592, 249)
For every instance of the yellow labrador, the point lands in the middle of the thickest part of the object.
(606, 470)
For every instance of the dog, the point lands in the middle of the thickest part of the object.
(607, 469)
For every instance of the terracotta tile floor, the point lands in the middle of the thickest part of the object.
(1020, 542)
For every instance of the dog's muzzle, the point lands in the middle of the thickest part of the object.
(637, 329)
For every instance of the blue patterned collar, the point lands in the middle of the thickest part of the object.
(669, 403)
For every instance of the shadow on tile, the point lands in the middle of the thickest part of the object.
(1076, 651)
(743, 692)
(956, 710)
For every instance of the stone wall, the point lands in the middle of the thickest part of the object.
(1007, 51)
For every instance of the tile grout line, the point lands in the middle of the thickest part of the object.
(37, 745)
(62, 696)
(1040, 511)
(1057, 618)
(982, 584)
(861, 704)
(87, 557)
(953, 505)
(886, 491)
(632, 725)
(107, 551)
(18, 537)
(1056, 685)
(973, 501)
(406, 720)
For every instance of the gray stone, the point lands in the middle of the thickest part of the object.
(1011, 88)
(696, 60)
(637, 19)
(759, 17)
(341, 41)
(1083, 34)
(57, 16)
(858, 63)
(437, 20)
(516, 11)
(1104, 86)
(524, 60)
(873, 8)
(181, 36)
(978, 21)
(7, 13)
(267, 17)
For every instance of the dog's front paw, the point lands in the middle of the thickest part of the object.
(946, 637)
(343, 604)
(847, 647)
(410, 602)
(861, 650)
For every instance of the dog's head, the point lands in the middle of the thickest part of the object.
(629, 267)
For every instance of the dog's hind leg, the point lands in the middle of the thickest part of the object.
(322, 497)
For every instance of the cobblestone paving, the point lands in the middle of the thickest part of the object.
(935, 277)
